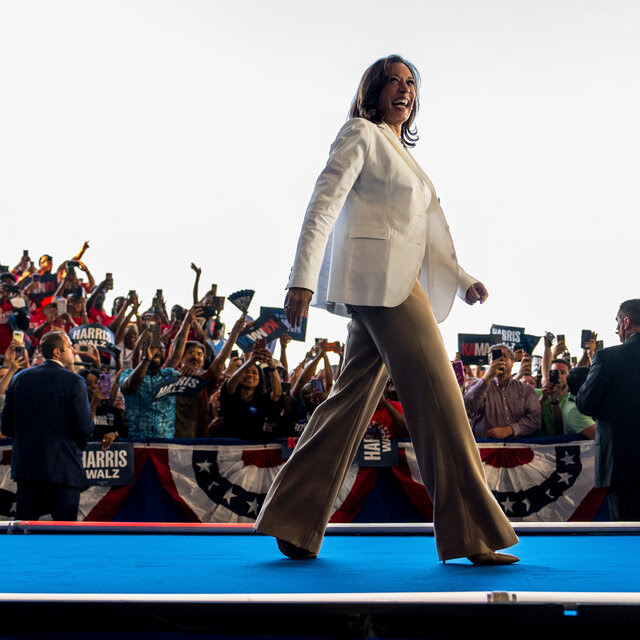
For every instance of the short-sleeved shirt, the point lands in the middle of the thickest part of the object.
(573, 420)
(150, 418)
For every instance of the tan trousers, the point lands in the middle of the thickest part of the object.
(404, 342)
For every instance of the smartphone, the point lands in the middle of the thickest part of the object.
(458, 369)
(599, 345)
(585, 336)
(83, 348)
(25, 253)
(260, 344)
(554, 376)
(109, 276)
(319, 340)
(561, 337)
(72, 263)
(104, 384)
(18, 336)
(496, 354)
(61, 305)
(158, 293)
(155, 336)
(214, 289)
(209, 311)
(574, 361)
(234, 353)
(550, 337)
(317, 386)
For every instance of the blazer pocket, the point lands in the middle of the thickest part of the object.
(366, 231)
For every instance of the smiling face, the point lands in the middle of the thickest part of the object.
(250, 377)
(398, 95)
(92, 384)
(193, 357)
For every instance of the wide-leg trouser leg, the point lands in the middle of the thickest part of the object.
(467, 518)
(299, 502)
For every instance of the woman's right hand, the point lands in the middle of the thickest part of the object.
(296, 305)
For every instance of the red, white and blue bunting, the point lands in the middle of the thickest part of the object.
(228, 483)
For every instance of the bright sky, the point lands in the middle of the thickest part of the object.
(172, 131)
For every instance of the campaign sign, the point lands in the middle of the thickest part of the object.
(267, 326)
(511, 336)
(96, 334)
(186, 386)
(288, 447)
(474, 347)
(528, 343)
(299, 334)
(377, 452)
(112, 467)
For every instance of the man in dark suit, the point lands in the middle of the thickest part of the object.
(47, 414)
(611, 395)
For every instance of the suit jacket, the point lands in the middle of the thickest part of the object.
(611, 395)
(373, 225)
(47, 414)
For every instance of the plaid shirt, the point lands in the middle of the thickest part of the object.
(149, 418)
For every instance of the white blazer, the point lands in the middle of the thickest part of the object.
(373, 225)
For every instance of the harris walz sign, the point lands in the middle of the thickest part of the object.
(95, 334)
(186, 386)
(112, 467)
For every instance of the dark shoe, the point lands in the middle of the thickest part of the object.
(297, 553)
(492, 558)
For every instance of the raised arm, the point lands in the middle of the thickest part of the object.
(196, 282)
(217, 366)
(177, 348)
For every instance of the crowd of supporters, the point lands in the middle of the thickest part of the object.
(177, 373)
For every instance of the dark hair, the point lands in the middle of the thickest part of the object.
(93, 371)
(194, 343)
(50, 341)
(631, 309)
(504, 347)
(576, 378)
(365, 103)
(562, 361)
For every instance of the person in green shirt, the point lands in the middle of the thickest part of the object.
(553, 396)
(575, 422)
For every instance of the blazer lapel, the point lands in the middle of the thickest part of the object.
(405, 155)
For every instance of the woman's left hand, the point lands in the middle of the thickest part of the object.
(477, 292)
